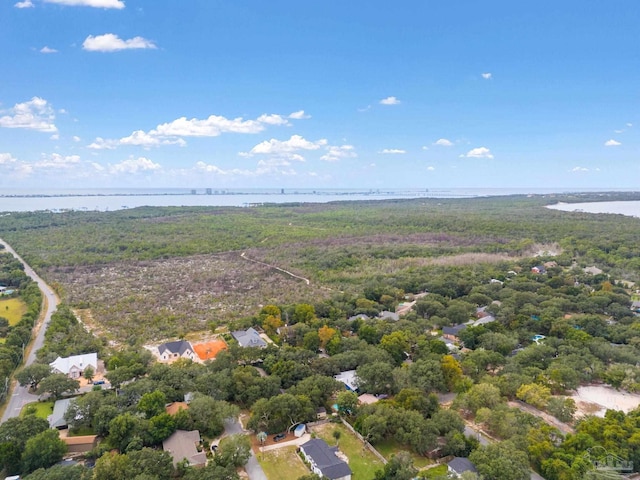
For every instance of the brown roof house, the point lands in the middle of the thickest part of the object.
(182, 445)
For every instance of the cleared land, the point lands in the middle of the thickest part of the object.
(12, 309)
(282, 462)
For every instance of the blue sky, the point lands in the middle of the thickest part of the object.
(254, 93)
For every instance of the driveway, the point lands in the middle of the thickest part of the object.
(20, 396)
(253, 468)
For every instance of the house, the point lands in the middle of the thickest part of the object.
(449, 343)
(79, 444)
(592, 270)
(635, 306)
(321, 413)
(249, 338)
(539, 269)
(349, 378)
(75, 366)
(172, 351)
(459, 465)
(367, 399)
(484, 320)
(360, 316)
(175, 407)
(391, 316)
(181, 445)
(56, 419)
(324, 461)
(452, 332)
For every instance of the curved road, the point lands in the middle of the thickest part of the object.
(19, 395)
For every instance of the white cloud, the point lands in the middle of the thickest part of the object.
(579, 169)
(629, 125)
(110, 42)
(335, 153)
(102, 144)
(55, 136)
(389, 101)
(118, 4)
(487, 76)
(6, 158)
(209, 127)
(57, 161)
(424, 147)
(287, 148)
(36, 114)
(76, 138)
(618, 131)
(443, 142)
(479, 152)
(299, 115)
(611, 143)
(24, 4)
(46, 49)
(273, 119)
(365, 109)
(392, 151)
(135, 165)
(264, 168)
(143, 139)
(430, 168)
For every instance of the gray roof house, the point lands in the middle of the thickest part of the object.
(174, 350)
(459, 465)
(452, 332)
(324, 461)
(181, 445)
(386, 315)
(56, 419)
(249, 338)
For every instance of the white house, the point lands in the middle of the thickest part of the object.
(76, 365)
(172, 351)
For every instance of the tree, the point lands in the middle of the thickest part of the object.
(318, 388)
(482, 395)
(32, 375)
(501, 461)
(43, 450)
(336, 435)
(376, 378)
(208, 415)
(271, 324)
(303, 313)
(451, 371)
(58, 384)
(396, 344)
(534, 394)
(152, 404)
(562, 408)
(89, 373)
(400, 467)
(61, 472)
(325, 334)
(347, 402)
(280, 413)
(211, 472)
(233, 450)
(155, 463)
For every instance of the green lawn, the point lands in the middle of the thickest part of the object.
(12, 309)
(363, 463)
(39, 409)
(389, 448)
(435, 472)
(276, 462)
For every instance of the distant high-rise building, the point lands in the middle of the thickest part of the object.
(193, 192)
(208, 191)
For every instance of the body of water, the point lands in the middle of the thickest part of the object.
(118, 199)
(629, 208)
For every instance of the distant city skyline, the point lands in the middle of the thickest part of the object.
(284, 94)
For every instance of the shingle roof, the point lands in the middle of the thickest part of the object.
(453, 330)
(326, 459)
(461, 464)
(179, 347)
(64, 365)
(56, 419)
(249, 338)
(182, 444)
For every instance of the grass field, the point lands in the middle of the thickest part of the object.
(362, 462)
(389, 448)
(12, 309)
(39, 409)
(435, 472)
(283, 461)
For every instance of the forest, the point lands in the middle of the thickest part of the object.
(555, 325)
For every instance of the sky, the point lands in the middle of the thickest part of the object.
(319, 94)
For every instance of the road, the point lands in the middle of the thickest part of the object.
(253, 468)
(20, 396)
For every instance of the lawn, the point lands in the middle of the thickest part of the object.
(362, 462)
(12, 309)
(39, 409)
(435, 472)
(285, 459)
(389, 448)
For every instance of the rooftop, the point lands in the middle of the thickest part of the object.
(326, 459)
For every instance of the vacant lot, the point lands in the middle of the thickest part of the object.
(12, 309)
(362, 462)
(282, 463)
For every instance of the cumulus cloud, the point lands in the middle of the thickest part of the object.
(287, 148)
(25, 4)
(55, 136)
(143, 139)
(46, 49)
(392, 151)
(6, 158)
(263, 168)
(390, 101)
(110, 42)
(36, 114)
(611, 143)
(479, 152)
(299, 115)
(134, 165)
(443, 142)
(487, 76)
(76, 138)
(430, 168)
(117, 4)
(579, 169)
(57, 161)
(102, 144)
(273, 119)
(335, 153)
(629, 125)
(208, 127)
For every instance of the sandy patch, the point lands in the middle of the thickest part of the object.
(597, 399)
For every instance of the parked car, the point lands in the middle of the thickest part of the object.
(280, 436)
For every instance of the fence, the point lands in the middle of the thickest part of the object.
(362, 439)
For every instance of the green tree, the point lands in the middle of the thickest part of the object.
(534, 394)
(395, 344)
(233, 450)
(32, 375)
(57, 385)
(563, 408)
(208, 415)
(89, 373)
(501, 461)
(43, 450)
(376, 378)
(347, 402)
(61, 472)
(152, 404)
(303, 313)
(400, 467)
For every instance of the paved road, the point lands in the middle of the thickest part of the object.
(253, 468)
(20, 396)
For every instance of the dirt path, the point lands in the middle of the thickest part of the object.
(551, 420)
(306, 280)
